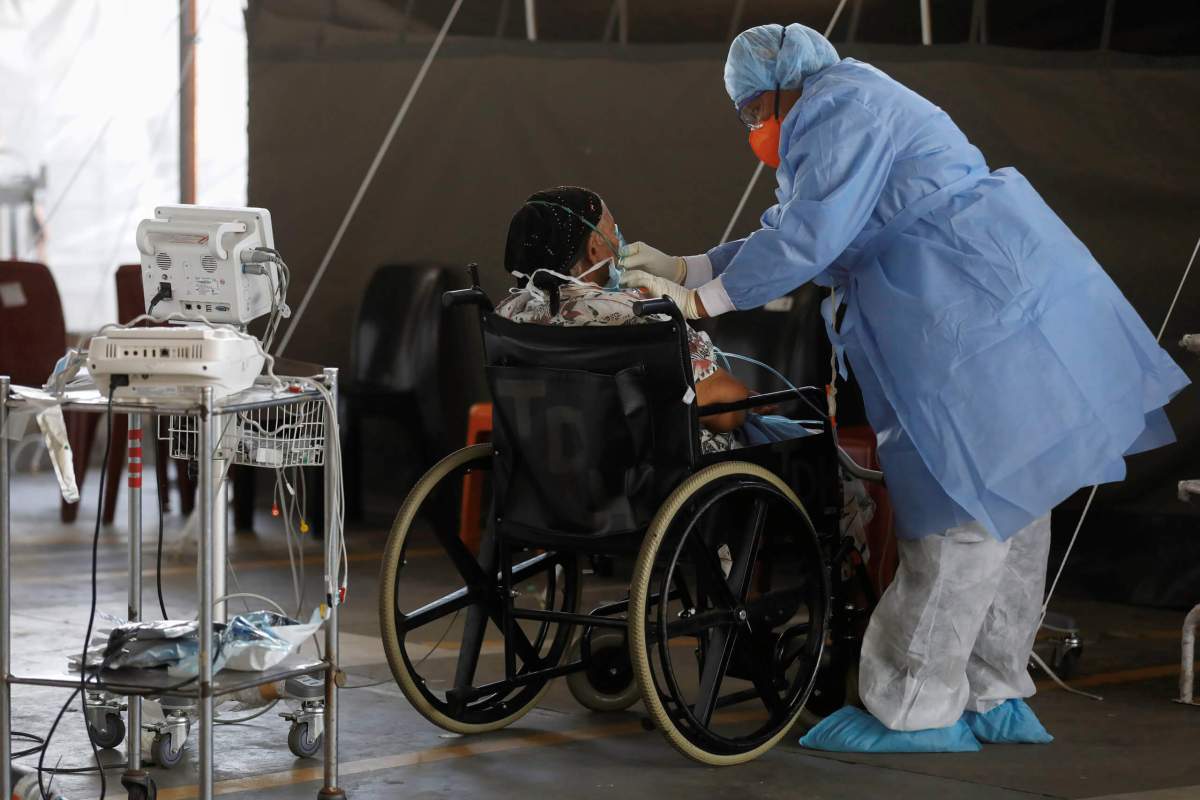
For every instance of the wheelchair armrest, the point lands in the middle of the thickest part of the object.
(753, 401)
(663, 305)
(857, 470)
(467, 297)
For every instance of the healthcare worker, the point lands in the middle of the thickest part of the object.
(1001, 370)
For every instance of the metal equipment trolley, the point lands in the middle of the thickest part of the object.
(209, 417)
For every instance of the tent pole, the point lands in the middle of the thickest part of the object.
(610, 23)
(735, 19)
(530, 21)
(1110, 8)
(926, 24)
(187, 101)
(623, 21)
(502, 22)
(855, 13)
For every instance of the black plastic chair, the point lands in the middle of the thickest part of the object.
(402, 365)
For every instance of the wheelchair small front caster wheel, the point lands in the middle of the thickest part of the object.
(111, 735)
(139, 786)
(302, 743)
(608, 683)
(1066, 663)
(165, 752)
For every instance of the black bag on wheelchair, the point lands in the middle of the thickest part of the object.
(592, 427)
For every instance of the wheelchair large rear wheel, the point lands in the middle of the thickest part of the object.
(440, 605)
(729, 607)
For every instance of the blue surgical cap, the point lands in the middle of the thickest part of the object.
(757, 64)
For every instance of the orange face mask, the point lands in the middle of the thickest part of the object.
(764, 141)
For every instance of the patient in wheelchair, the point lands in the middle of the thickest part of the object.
(563, 247)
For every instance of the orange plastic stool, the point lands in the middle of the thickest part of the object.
(479, 430)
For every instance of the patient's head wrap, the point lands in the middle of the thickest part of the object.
(758, 63)
(549, 232)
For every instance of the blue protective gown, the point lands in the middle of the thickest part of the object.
(1001, 368)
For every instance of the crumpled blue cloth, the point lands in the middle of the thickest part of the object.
(768, 428)
(852, 730)
(1011, 722)
(756, 63)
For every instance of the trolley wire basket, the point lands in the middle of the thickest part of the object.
(291, 435)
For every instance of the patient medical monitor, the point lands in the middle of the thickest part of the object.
(192, 263)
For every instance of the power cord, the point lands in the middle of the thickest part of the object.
(163, 293)
(162, 606)
(38, 741)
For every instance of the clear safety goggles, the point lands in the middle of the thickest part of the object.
(749, 113)
(752, 113)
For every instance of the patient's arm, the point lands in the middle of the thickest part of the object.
(721, 387)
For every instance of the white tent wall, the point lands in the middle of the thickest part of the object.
(90, 90)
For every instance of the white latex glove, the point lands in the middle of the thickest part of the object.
(640, 255)
(654, 287)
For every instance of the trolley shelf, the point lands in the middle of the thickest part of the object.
(263, 426)
(151, 682)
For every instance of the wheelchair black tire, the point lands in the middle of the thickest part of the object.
(402, 670)
(641, 594)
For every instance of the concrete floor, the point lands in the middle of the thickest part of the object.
(1136, 743)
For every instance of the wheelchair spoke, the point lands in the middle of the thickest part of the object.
(455, 601)
(716, 663)
(470, 570)
(699, 622)
(747, 553)
(761, 665)
(708, 565)
(470, 647)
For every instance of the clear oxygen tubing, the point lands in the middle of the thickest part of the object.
(799, 391)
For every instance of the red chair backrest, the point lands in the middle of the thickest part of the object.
(33, 335)
(131, 301)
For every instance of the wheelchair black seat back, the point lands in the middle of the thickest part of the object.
(595, 445)
(592, 427)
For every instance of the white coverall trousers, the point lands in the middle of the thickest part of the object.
(954, 630)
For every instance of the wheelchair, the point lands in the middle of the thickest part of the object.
(746, 605)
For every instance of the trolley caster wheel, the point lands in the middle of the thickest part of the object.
(111, 736)
(164, 752)
(608, 683)
(139, 786)
(302, 744)
(1068, 662)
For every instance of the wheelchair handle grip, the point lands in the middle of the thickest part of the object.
(467, 297)
(663, 305)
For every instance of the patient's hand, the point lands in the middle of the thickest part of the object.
(721, 387)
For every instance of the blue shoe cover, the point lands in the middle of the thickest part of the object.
(852, 730)
(1011, 722)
